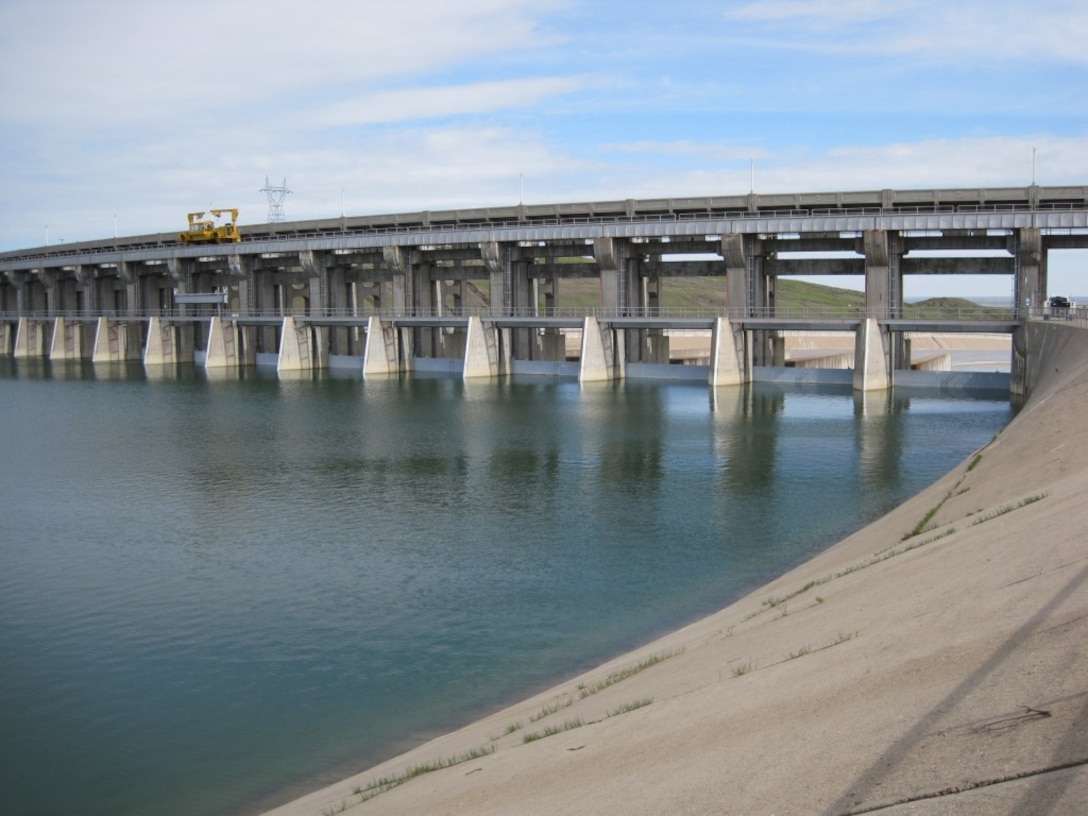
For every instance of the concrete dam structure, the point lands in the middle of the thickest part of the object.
(476, 292)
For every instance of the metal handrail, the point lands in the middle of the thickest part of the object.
(164, 241)
(943, 314)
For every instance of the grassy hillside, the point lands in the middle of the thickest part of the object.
(709, 293)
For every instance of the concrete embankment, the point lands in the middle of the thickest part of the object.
(932, 663)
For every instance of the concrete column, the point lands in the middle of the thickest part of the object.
(67, 342)
(735, 255)
(395, 259)
(598, 353)
(314, 266)
(127, 278)
(162, 343)
(115, 342)
(496, 258)
(85, 285)
(340, 302)
(730, 362)
(483, 350)
(264, 296)
(749, 291)
(880, 289)
(871, 370)
(380, 356)
(7, 338)
(1030, 268)
(47, 294)
(612, 263)
(296, 346)
(222, 344)
(31, 339)
(884, 288)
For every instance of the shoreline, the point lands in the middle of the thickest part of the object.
(935, 656)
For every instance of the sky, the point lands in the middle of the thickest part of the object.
(124, 115)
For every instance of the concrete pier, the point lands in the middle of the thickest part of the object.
(730, 363)
(222, 351)
(116, 341)
(68, 340)
(297, 352)
(32, 339)
(872, 371)
(598, 353)
(483, 350)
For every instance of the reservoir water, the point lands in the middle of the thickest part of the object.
(220, 592)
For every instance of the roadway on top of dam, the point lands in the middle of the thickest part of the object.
(1060, 213)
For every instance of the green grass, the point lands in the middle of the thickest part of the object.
(552, 730)
(385, 783)
(709, 293)
(548, 710)
(616, 677)
(632, 706)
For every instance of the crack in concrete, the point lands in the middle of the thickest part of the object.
(967, 786)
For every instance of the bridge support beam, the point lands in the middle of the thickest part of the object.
(496, 258)
(730, 362)
(115, 342)
(611, 255)
(750, 292)
(1030, 268)
(483, 351)
(598, 358)
(884, 287)
(871, 369)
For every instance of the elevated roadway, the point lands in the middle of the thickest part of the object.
(425, 272)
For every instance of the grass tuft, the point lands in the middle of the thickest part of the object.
(385, 783)
(632, 706)
(586, 691)
(743, 669)
(552, 730)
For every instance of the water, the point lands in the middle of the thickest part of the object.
(219, 593)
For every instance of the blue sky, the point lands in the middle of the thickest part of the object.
(134, 112)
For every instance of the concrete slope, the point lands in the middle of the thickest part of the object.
(933, 663)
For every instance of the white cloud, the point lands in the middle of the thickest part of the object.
(92, 63)
(149, 109)
(442, 101)
(937, 30)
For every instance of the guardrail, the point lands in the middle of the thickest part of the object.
(1075, 316)
(964, 314)
(351, 225)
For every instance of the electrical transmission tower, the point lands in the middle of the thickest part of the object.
(276, 195)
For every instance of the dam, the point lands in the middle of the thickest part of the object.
(479, 293)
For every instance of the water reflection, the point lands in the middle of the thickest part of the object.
(358, 556)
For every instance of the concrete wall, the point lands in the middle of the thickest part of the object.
(1047, 352)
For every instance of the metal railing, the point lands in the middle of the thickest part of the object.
(356, 225)
(822, 313)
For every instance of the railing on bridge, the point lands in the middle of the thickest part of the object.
(437, 223)
(796, 313)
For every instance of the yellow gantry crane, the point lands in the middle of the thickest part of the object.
(213, 230)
